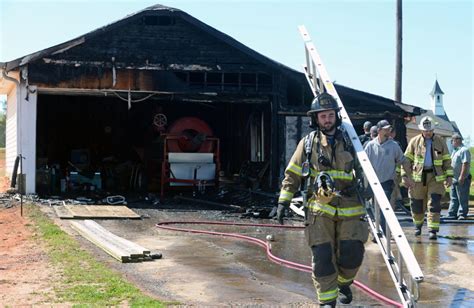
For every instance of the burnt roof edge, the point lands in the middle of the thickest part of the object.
(159, 10)
(16, 63)
(414, 110)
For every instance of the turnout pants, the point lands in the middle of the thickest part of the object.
(426, 194)
(337, 246)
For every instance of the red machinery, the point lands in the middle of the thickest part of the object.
(190, 155)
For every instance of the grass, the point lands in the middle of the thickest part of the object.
(471, 191)
(472, 163)
(85, 281)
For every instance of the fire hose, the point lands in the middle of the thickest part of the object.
(267, 247)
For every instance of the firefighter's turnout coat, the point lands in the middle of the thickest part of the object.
(429, 181)
(335, 231)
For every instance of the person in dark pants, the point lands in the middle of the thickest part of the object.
(373, 135)
(334, 226)
(461, 162)
(430, 168)
(385, 154)
(365, 137)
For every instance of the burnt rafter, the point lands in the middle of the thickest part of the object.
(123, 65)
(161, 96)
(96, 75)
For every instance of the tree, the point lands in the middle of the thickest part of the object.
(467, 141)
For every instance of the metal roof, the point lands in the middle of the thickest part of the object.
(388, 103)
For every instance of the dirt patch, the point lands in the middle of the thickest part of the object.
(26, 275)
(4, 180)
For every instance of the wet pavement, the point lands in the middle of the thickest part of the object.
(206, 270)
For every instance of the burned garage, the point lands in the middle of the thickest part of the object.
(157, 101)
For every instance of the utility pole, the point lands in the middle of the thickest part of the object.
(398, 65)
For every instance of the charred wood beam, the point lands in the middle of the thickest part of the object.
(353, 116)
(175, 78)
(380, 115)
(105, 92)
(123, 65)
(205, 97)
(275, 144)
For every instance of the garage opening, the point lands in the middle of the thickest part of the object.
(99, 144)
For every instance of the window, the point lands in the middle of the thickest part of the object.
(248, 80)
(231, 80)
(152, 20)
(196, 80)
(214, 79)
(182, 76)
(265, 82)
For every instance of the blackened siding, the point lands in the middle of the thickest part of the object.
(175, 56)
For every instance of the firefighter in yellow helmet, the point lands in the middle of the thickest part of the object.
(430, 166)
(335, 228)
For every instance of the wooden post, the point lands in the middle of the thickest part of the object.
(20, 184)
(398, 65)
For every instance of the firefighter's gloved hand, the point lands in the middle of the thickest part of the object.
(280, 213)
(323, 196)
(324, 190)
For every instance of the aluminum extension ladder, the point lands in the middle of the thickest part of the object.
(404, 268)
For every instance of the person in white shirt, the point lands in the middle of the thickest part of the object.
(385, 154)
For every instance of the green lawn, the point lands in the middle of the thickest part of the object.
(472, 165)
(471, 194)
(85, 281)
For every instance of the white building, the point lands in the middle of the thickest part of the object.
(443, 126)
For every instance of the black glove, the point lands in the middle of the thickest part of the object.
(280, 213)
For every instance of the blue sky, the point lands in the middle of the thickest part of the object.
(356, 39)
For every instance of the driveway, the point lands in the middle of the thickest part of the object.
(206, 270)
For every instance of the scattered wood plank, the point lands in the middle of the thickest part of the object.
(113, 250)
(63, 212)
(119, 240)
(96, 211)
(118, 247)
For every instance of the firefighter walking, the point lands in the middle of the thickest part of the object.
(430, 167)
(335, 229)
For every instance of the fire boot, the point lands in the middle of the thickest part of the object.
(418, 231)
(433, 235)
(328, 305)
(345, 294)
